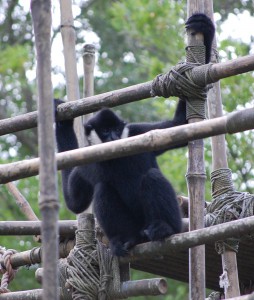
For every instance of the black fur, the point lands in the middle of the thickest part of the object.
(201, 23)
(133, 201)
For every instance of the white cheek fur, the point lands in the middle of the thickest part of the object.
(93, 138)
(125, 133)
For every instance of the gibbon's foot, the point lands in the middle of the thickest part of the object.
(118, 248)
(158, 230)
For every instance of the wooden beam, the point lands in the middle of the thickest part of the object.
(150, 141)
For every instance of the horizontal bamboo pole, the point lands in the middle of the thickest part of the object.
(66, 228)
(153, 140)
(131, 288)
(174, 244)
(133, 93)
(34, 256)
(146, 287)
(183, 241)
(27, 295)
(245, 297)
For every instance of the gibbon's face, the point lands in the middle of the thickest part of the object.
(105, 127)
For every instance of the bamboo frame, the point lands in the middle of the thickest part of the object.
(150, 141)
(245, 297)
(88, 78)
(53, 199)
(22, 203)
(173, 244)
(156, 286)
(196, 181)
(72, 82)
(66, 228)
(48, 202)
(119, 97)
(229, 259)
(88, 85)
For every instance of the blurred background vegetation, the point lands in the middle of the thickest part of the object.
(135, 41)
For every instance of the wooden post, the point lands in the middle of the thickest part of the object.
(88, 63)
(229, 260)
(196, 182)
(72, 83)
(88, 85)
(48, 202)
(150, 141)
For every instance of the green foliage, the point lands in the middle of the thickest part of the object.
(12, 58)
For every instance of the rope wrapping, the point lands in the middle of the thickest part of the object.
(90, 271)
(214, 296)
(7, 270)
(186, 82)
(227, 205)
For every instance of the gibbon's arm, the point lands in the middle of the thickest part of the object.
(78, 192)
(179, 119)
(201, 23)
(77, 189)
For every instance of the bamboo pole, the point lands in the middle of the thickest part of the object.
(150, 141)
(21, 201)
(173, 244)
(88, 78)
(245, 297)
(229, 259)
(23, 205)
(88, 65)
(183, 241)
(66, 228)
(88, 85)
(146, 287)
(196, 178)
(130, 94)
(34, 256)
(72, 83)
(48, 202)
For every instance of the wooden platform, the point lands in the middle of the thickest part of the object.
(176, 266)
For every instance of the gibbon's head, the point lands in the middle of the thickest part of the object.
(105, 126)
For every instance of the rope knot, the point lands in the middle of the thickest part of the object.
(182, 82)
(7, 270)
(227, 205)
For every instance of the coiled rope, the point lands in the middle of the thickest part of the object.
(181, 81)
(7, 270)
(227, 205)
(90, 271)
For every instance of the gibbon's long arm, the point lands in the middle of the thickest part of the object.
(179, 119)
(77, 187)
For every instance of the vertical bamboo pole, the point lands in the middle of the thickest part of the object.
(88, 84)
(196, 186)
(88, 64)
(229, 260)
(48, 202)
(72, 83)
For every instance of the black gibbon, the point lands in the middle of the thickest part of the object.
(133, 201)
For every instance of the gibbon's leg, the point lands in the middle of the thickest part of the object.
(162, 213)
(116, 220)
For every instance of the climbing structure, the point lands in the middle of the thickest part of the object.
(87, 269)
